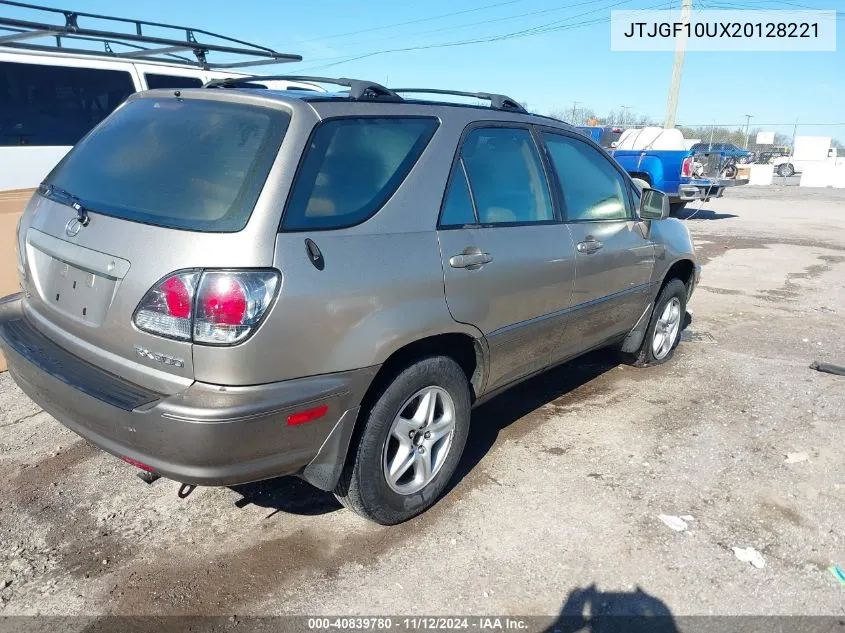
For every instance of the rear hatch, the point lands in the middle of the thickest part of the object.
(166, 183)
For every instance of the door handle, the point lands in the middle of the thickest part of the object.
(470, 260)
(589, 246)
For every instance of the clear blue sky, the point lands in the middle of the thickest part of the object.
(548, 71)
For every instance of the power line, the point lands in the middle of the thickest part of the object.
(416, 21)
(476, 24)
(553, 26)
(801, 9)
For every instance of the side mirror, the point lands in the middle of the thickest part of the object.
(654, 205)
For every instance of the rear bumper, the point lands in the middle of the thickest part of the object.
(207, 434)
(706, 189)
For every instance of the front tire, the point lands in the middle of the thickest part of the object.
(664, 328)
(786, 170)
(411, 441)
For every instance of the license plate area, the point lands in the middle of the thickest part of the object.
(75, 292)
(78, 282)
(78, 293)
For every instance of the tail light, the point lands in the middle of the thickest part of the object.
(231, 304)
(686, 167)
(166, 308)
(209, 307)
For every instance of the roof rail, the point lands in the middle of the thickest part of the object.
(358, 88)
(499, 102)
(15, 32)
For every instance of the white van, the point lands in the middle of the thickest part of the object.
(50, 101)
(807, 152)
(64, 71)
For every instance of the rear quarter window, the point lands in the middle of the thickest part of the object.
(189, 164)
(351, 168)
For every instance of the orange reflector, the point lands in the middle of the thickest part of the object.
(308, 415)
(138, 464)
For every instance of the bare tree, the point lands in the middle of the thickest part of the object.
(582, 116)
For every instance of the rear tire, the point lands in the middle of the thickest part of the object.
(664, 327)
(786, 170)
(394, 431)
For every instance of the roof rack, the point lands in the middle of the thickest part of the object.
(15, 32)
(362, 89)
(499, 102)
(358, 88)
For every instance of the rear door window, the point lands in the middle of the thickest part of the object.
(351, 168)
(56, 105)
(171, 81)
(506, 176)
(180, 163)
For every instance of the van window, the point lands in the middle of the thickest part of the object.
(56, 105)
(171, 81)
(180, 163)
(351, 167)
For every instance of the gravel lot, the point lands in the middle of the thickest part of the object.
(559, 493)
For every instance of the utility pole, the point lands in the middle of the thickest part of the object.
(680, 49)
(748, 118)
(574, 106)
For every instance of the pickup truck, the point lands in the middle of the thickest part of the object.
(652, 154)
(725, 149)
(605, 135)
(684, 175)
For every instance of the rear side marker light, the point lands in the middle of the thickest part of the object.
(137, 464)
(309, 415)
(211, 307)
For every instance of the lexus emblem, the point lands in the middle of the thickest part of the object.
(73, 226)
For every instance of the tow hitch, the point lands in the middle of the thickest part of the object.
(148, 477)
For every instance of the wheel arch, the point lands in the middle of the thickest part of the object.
(683, 269)
(468, 351)
(644, 176)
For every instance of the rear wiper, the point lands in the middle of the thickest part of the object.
(62, 196)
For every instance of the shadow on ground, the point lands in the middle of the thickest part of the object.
(693, 212)
(294, 496)
(589, 610)
(490, 418)
(290, 495)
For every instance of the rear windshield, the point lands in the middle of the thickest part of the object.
(187, 164)
(351, 168)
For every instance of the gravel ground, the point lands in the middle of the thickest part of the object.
(557, 499)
